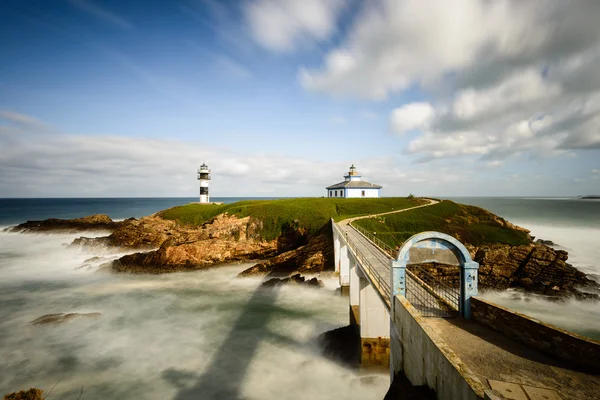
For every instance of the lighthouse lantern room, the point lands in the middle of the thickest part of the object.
(204, 178)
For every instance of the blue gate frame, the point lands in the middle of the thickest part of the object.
(436, 247)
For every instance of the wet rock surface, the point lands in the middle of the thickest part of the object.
(314, 256)
(60, 318)
(97, 222)
(342, 345)
(535, 268)
(31, 394)
(296, 279)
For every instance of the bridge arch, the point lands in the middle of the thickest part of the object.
(436, 247)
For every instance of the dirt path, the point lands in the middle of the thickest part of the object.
(349, 220)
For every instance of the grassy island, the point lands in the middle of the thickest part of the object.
(469, 224)
(277, 216)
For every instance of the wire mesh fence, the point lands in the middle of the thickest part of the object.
(434, 290)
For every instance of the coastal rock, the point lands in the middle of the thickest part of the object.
(224, 239)
(342, 345)
(535, 267)
(546, 242)
(97, 222)
(315, 256)
(31, 394)
(296, 279)
(60, 318)
(101, 241)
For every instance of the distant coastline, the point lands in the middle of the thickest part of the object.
(590, 197)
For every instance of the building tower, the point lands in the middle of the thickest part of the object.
(204, 177)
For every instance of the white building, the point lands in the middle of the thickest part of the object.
(353, 187)
(204, 178)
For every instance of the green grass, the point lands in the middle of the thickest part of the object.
(277, 215)
(468, 224)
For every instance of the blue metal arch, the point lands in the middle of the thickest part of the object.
(437, 240)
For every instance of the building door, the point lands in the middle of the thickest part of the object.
(362, 192)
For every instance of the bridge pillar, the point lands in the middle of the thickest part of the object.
(344, 270)
(354, 293)
(336, 251)
(374, 328)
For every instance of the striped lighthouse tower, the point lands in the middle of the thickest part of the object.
(204, 177)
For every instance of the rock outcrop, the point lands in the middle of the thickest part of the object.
(296, 279)
(535, 267)
(60, 318)
(315, 256)
(224, 239)
(31, 394)
(97, 222)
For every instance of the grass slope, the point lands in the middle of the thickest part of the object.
(468, 224)
(278, 215)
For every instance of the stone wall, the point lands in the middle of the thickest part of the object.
(375, 354)
(578, 351)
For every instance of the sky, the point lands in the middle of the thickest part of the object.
(115, 98)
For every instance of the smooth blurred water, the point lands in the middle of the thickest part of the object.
(197, 335)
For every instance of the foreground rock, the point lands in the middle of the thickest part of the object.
(342, 345)
(60, 318)
(296, 279)
(31, 394)
(98, 222)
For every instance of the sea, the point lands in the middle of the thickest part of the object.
(209, 334)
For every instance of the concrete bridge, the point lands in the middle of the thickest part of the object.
(439, 334)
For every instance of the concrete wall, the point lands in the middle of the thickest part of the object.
(353, 193)
(375, 319)
(418, 350)
(577, 350)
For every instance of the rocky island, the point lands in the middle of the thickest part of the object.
(291, 236)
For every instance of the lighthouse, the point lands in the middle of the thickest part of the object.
(204, 177)
(353, 186)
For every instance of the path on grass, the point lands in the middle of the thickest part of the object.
(347, 221)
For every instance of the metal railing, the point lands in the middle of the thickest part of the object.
(378, 242)
(430, 295)
(381, 283)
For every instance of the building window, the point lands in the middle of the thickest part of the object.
(362, 193)
(330, 193)
(203, 190)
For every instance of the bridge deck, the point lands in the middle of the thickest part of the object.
(489, 354)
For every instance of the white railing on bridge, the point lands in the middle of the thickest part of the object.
(382, 284)
(378, 242)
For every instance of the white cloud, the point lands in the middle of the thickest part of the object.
(411, 116)
(507, 77)
(283, 25)
(61, 165)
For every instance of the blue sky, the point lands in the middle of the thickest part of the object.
(279, 97)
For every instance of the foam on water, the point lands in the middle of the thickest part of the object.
(204, 334)
(582, 317)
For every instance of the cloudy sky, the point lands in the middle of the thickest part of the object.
(279, 97)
